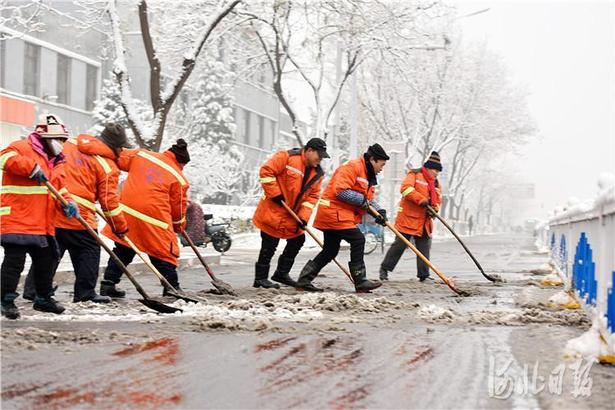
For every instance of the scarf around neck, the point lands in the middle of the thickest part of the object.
(431, 186)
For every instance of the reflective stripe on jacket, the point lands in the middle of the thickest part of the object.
(284, 174)
(92, 175)
(25, 206)
(411, 218)
(153, 201)
(336, 214)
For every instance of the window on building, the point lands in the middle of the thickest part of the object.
(261, 131)
(91, 82)
(246, 126)
(32, 67)
(63, 79)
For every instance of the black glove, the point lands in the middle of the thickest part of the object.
(278, 199)
(381, 219)
(38, 175)
(424, 203)
(302, 224)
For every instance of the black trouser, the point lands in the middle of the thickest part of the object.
(114, 273)
(422, 243)
(331, 246)
(269, 244)
(84, 253)
(43, 262)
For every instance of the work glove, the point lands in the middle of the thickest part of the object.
(278, 199)
(432, 215)
(424, 203)
(38, 175)
(70, 210)
(381, 219)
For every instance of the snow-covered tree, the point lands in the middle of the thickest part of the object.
(108, 108)
(173, 38)
(206, 122)
(321, 43)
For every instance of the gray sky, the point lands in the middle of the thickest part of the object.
(564, 53)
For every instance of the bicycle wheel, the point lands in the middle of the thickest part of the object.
(371, 243)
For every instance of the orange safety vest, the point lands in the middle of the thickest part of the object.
(25, 206)
(336, 214)
(154, 200)
(284, 174)
(92, 175)
(411, 218)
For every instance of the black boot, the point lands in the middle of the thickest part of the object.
(261, 272)
(281, 273)
(384, 274)
(94, 299)
(107, 288)
(165, 291)
(359, 276)
(29, 292)
(9, 310)
(47, 304)
(307, 275)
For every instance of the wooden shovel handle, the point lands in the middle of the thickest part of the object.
(409, 244)
(316, 238)
(93, 233)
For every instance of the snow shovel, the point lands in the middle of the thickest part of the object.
(309, 231)
(222, 286)
(170, 289)
(147, 301)
(449, 282)
(434, 213)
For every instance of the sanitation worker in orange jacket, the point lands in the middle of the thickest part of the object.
(340, 209)
(154, 200)
(419, 189)
(28, 212)
(91, 175)
(292, 176)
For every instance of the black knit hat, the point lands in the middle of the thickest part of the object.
(319, 145)
(180, 149)
(377, 152)
(114, 136)
(434, 161)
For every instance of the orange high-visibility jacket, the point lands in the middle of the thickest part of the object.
(91, 175)
(153, 200)
(284, 174)
(25, 206)
(411, 218)
(336, 214)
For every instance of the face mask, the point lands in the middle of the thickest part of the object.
(55, 147)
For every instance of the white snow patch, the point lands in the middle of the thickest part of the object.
(433, 312)
(589, 345)
(562, 298)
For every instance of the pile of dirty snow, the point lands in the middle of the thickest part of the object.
(589, 345)
(433, 313)
(31, 338)
(564, 299)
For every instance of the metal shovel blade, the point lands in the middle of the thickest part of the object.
(224, 287)
(159, 306)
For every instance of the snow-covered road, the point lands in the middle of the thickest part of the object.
(407, 345)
